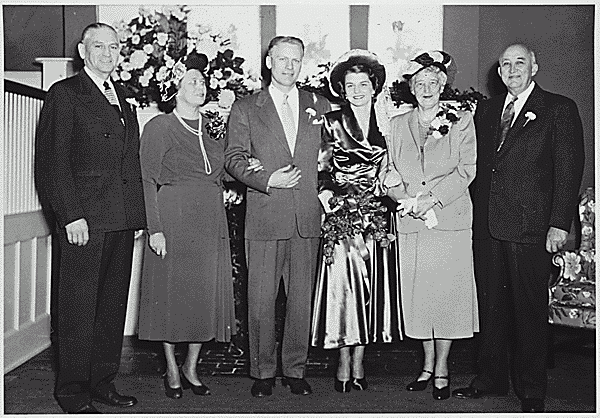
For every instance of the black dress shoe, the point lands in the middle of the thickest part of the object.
(359, 384)
(472, 393)
(235, 351)
(419, 385)
(173, 393)
(112, 398)
(263, 387)
(297, 386)
(200, 389)
(441, 394)
(532, 405)
(85, 409)
(342, 386)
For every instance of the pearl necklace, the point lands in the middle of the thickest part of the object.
(207, 166)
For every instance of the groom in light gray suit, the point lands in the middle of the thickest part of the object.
(281, 127)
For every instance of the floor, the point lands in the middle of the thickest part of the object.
(572, 383)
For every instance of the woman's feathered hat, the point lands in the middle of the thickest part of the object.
(349, 59)
(174, 74)
(439, 59)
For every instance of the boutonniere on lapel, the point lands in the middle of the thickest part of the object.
(312, 114)
(215, 126)
(443, 121)
(530, 116)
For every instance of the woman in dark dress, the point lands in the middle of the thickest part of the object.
(356, 299)
(187, 289)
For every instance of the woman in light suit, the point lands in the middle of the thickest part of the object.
(432, 154)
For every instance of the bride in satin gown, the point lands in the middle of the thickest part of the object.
(357, 298)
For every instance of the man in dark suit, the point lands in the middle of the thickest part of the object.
(281, 127)
(529, 168)
(88, 172)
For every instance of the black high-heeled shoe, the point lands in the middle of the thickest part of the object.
(200, 389)
(441, 394)
(342, 386)
(359, 384)
(419, 385)
(173, 393)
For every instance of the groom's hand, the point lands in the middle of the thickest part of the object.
(285, 177)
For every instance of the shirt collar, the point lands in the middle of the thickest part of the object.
(522, 97)
(277, 94)
(97, 80)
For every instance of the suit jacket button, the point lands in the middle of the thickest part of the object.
(423, 183)
(124, 181)
(106, 135)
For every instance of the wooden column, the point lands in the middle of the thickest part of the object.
(359, 27)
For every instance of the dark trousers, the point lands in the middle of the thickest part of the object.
(512, 290)
(92, 302)
(294, 260)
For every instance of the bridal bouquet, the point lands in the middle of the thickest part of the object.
(360, 213)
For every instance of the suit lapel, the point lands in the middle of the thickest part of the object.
(304, 102)
(413, 126)
(351, 126)
(129, 116)
(535, 104)
(95, 101)
(268, 114)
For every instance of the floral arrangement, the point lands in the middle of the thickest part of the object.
(319, 83)
(150, 44)
(443, 121)
(360, 213)
(216, 126)
(154, 42)
(232, 197)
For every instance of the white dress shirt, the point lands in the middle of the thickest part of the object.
(293, 100)
(100, 82)
(521, 99)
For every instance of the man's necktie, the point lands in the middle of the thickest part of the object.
(112, 99)
(287, 119)
(506, 121)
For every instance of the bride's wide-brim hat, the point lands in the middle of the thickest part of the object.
(350, 59)
(439, 59)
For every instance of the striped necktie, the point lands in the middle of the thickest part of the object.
(289, 126)
(112, 99)
(506, 121)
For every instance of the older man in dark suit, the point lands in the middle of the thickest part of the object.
(88, 172)
(279, 126)
(530, 164)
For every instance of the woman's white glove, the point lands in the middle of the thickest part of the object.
(409, 206)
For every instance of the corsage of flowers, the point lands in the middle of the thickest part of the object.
(359, 213)
(312, 113)
(215, 126)
(443, 121)
(530, 116)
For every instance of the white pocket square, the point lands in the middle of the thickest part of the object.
(317, 122)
